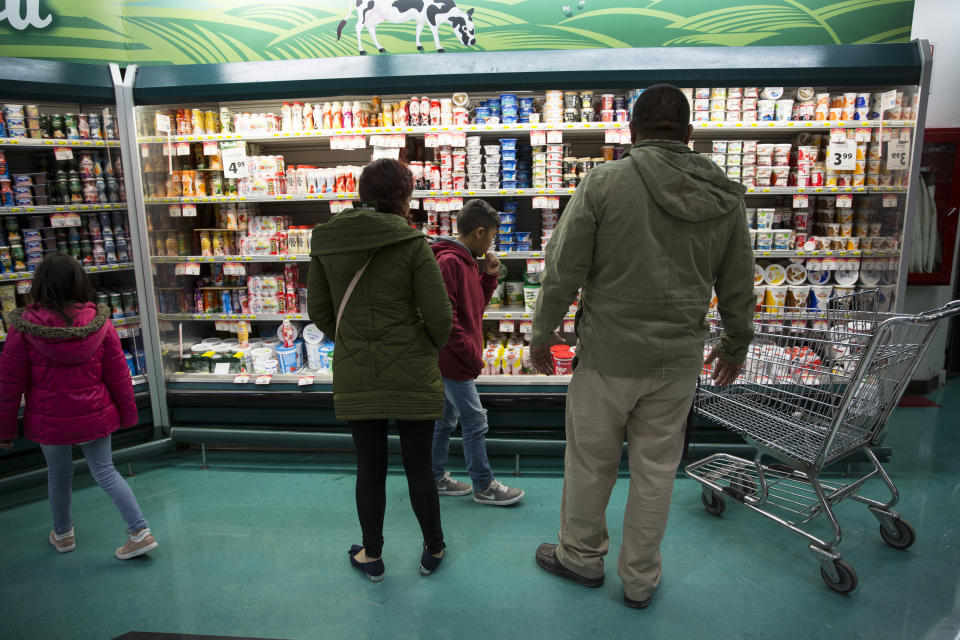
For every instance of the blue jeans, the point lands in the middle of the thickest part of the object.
(462, 402)
(100, 460)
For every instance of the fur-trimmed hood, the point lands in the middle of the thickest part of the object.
(46, 331)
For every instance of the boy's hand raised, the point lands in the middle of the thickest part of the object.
(491, 264)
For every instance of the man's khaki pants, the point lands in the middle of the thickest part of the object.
(601, 410)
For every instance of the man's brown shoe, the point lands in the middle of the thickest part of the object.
(547, 558)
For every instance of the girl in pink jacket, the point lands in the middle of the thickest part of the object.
(63, 354)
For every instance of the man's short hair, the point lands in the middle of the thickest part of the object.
(661, 111)
(475, 214)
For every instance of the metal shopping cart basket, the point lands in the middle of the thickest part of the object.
(817, 386)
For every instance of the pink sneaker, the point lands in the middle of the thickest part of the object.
(64, 543)
(137, 544)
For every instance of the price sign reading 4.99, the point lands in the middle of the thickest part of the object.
(842, 156)
(234, 155)
(898, 156)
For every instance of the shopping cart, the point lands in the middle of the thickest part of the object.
(816, 387)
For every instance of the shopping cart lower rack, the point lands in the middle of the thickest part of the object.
(817, 386)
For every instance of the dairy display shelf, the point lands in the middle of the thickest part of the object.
(28, 275)
(566, 127)
(257, 317)
(868, 253)
(491, 193)
(124, 322)
(525, 255)
(57, 142)
(63, 208)
(327, 378)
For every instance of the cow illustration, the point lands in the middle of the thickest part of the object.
(370, 13)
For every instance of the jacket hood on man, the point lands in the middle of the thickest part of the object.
(355, 230)
(684, 183)
(46, 332)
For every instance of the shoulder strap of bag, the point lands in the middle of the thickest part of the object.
(348, 293)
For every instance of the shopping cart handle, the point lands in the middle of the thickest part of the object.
(946, 311)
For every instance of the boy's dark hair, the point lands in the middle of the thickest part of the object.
(386, 186)
(661, 111)
(475, 214)
(60, 283)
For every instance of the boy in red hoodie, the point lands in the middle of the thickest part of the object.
(461, 360)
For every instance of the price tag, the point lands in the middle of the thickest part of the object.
(388, 153)
(183, 148)
(188, 210)
(191, 269)
(611, 136)
(241, 379)
(263, 379)
(863, 135)
(888, 100)
(890, 201)
(538, 138)
(898, 156)
(305, 381)
(526, 327)
(234, 155)
(569, 326)
(163, 123)
(801, 201)
(507, 326)
(144, 151)
(842, 156)
(554, 137)
(211, 148)
(63, 153)
(24, 286)
(845, 202)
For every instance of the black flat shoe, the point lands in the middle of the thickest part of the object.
(547, 558)
(429, 562)
(636, 604)
(373, 569)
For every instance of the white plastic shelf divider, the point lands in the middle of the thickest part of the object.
(511, 193)
(57, 142)
(28, 275)
(326, 378)
(63, 208)
(205, 259)
(566, 127)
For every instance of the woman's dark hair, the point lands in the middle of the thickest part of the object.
(387, 186)
(60, 283)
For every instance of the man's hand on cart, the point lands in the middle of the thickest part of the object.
(723, 372)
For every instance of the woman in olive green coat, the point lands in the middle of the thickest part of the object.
(392, 326)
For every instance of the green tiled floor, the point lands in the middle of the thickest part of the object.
(256, 546)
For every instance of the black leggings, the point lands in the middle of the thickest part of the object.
(416, 444)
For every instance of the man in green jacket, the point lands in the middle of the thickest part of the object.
(644, 240)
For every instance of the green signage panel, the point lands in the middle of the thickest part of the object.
(212, 31)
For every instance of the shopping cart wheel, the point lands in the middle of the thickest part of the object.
(715, 503)
(904, 537)
(846, 577)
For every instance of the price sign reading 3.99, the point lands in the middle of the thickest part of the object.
(842, 156)
(898, 156)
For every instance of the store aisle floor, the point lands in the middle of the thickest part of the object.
(258, 548)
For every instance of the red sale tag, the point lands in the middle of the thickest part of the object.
(241, 379)
(305, 381)
(264, 378)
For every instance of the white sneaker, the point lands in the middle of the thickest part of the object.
(447, 486)
(498, 494)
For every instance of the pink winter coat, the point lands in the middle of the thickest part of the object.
(76, 379)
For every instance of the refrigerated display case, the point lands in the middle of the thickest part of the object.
(62, 189)
(238, 161)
